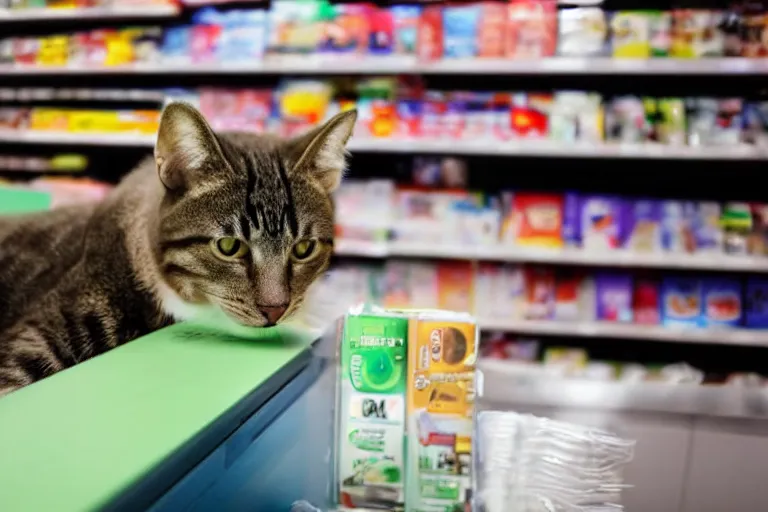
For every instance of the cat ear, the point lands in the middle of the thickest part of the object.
(322, 151)
(186, 148)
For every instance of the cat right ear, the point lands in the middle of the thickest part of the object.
(187, 149)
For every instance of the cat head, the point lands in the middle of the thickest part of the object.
(246, 223)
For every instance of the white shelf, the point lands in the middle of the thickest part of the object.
(739, 337)
(566, 257)
(543, 148)
(135, 11)
(319, 64)
(94, 139)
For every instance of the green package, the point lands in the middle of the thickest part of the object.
(372, 410)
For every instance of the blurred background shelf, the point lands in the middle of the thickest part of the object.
(737, 337)
(522, 148)
(330, 65)
(115, 12)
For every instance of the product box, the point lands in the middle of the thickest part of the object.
(532, 29)
(442, 354)
(643, 229)
(583, 32)
(541, 289)
(499, 291)
(460, 31)
(630, 32)
(534, 220)
(371, 426)
(676, 227)
(625, 121)
(706, 228)
(681, 302)
(646, 303)
(614, 297)
(430, 34)
(381, 39)
(696, 33)
(756, 307)
(295, 26)
(530, 115)
(492, 29)
(722, 302)
(406, 20)
(601, 222)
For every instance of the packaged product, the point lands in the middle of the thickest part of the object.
(614, 297)
(737, 228)
(540, 287)
(643, 228)
(53, 51)
(681, 302)
(565, 361)
(631, 31)
(426, 288)
(583, 31)
(601, 222)
(177, 44)
(533, 220)
(714, 122)
(646, 302)
(755, 26)
(442, 354)
(345, 28)
(434, 108)
(372, 417)
(530, 114)
(532, 29)
(670, 121)
(397, 292)
(382, 31)
(295, 25)
(243, 36)
(625, 120)
(755, 118)
(756, 303)
(499, 291)
(430, 34)
(302, 104)
(456, 279)
(722, 302)
(677, 230)
(758, 238)
(568, 284)
(706, 228)
(406, 20)
(576, 116)
(696, 33)
(376, 106)
(492, 28)
(659, 32)
(460, 30)
(572, 220)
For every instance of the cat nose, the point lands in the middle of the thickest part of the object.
(273, 313)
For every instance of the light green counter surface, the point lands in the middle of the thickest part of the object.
(76, 440)
(16, 201)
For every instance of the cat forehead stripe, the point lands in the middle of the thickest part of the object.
(269, 201)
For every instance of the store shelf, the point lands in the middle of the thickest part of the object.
(95, 139)
(115, 12)
(528, 148)
(566, 257)
(738, 337)
(318, 64)
(503, 385)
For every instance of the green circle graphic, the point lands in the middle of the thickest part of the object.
(379, 370)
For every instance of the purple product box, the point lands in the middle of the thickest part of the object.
(756, 307)
(681, 302)
(571, 220)
(722, 302)
(602, 222)
(642, 226)
(614, 297)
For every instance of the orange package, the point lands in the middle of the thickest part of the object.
(534, 220)
(532, 29)
(455, 285)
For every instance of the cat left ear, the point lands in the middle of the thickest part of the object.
(322, 151)
(187, 149)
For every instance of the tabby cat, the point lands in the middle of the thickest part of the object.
(218, 227)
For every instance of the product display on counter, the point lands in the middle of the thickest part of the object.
(406, 396)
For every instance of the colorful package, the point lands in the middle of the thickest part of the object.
(755, 24)
(442, 353)
(643, 230)
(696, 34)
(572, 220)
(601, 222)
(646, 301)
(631, 35)
(492, 27)
(722, 302)
(576, 116)
(532, 29)
(294, 25)
(659, 32)
(614, 297)
(382, 31)
(460, 31)
(540, 289)
(567, 288)
(737, 224)
(406, 19)
(681, 302)
(430, 35)
(755, 117)
(677, 233)
(758, 238)
(670, 125)
(530, 114)
(714, 122)
(302, 104)
(534, 220)
(756, 303)
(372, 410)
(345, 30)
(706, 228)
(583, 32)
(456, 280)
(434, 108)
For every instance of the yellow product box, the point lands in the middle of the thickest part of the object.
(53, 51)
(90, 121)
(120, 49)
(139, 121)
(442, 355)
(49, 119)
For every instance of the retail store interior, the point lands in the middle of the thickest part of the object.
(583, 178)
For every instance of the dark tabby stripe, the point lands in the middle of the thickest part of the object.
(34, 364)
(183, 243)
(97, 334)
(289, 209)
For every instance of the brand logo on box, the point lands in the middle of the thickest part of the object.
(377, 408)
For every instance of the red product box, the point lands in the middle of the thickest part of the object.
(491, 34)
(429, 39)
(205, 39)
(434, 108)
(25, 50)
(646, 302)
(530, 115)
(531, 29)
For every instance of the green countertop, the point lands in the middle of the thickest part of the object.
(19, 200)
(79, 439)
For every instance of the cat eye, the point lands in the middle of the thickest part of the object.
(303, 250)
(229, 247)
